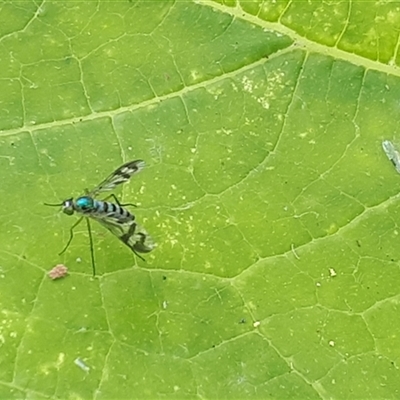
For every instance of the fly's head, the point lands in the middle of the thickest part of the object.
(68, 206)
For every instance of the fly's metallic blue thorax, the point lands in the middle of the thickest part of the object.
(83, 204)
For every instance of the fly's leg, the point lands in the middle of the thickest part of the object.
(71, 235)
(114, 197)
(91, 246)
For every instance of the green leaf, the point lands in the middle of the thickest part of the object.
(274, 208)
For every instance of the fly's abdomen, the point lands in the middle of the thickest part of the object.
(114, 211)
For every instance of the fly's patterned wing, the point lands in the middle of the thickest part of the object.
(130, 233)
(119, 176)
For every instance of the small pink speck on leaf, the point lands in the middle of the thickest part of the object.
(59, 271)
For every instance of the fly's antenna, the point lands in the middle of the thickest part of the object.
(53, 205)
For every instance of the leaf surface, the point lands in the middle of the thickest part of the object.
(266, 188)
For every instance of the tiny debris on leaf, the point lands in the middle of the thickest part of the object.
(59, 271)
(81, 364)
(294, 251)
(392, 154)
(332, 272)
